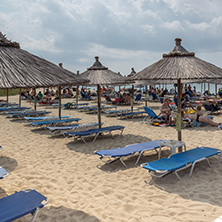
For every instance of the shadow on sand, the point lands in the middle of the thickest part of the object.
(58, 214)
(8, 163)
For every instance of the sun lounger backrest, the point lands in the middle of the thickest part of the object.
(138, 97)
(150, 112)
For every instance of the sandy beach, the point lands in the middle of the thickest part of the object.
(82, 188)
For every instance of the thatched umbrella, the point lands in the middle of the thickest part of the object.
(98, 75)
(179, 66)
(21, 69)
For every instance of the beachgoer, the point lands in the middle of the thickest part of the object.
(199, 117)
(165, 111)
(127, 99)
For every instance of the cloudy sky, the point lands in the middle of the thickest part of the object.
(123, 33)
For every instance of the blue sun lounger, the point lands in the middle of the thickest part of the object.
(34, 113)
(5, 109)
(3, 174)
(132, 114)
(54, 122)
(151, 114)
(20, 204)
(127, 151)
(74, 105)
(58, 130)
(180, 161)
(44, 118)
(83, 134)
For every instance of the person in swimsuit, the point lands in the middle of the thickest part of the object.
(199, 117)
(165, 111)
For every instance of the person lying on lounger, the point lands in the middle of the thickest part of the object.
(199, 117)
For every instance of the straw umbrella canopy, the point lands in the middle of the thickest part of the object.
(179, 66)
(21, 69)
(98, 75)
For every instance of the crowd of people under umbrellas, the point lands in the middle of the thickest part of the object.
(123, 96)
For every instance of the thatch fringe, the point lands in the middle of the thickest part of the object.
(7, 43)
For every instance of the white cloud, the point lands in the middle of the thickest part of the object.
(212, 27)
(174, 25)
(149, 29)
(121, 32)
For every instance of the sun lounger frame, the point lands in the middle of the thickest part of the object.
(162, 173)
(132, 114)
(136, 153)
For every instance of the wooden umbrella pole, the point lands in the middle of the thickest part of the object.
(7, 95)
(60, 102)
(20, 98)
(132, 96)
(99, 104)
(145, 95)
(216, 92)
(179, 85)
(35, 98)
(77, 92)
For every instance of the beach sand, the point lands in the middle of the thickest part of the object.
(82, 188)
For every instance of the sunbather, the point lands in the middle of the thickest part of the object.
(165, 110)
(199, 117)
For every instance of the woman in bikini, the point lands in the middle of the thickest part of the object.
(165, 110)
(199, 117)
